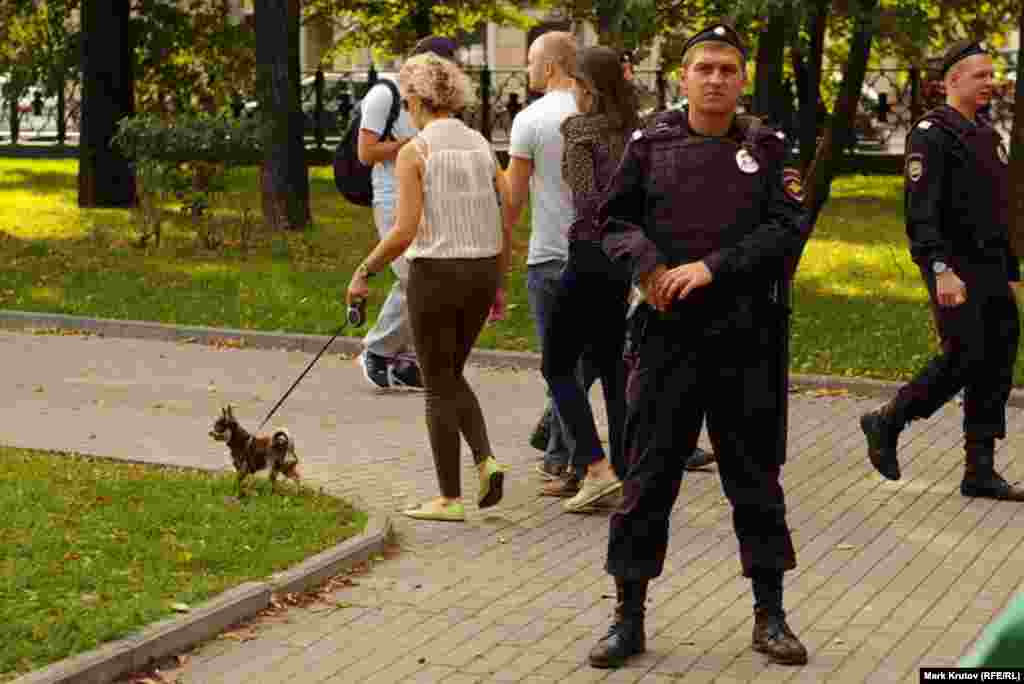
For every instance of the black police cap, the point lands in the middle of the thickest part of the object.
(719, 33)
(959, 51)
(439, 45)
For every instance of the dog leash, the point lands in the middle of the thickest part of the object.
(295, 384)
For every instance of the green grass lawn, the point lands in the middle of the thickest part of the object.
(859, 306)
(92, 550)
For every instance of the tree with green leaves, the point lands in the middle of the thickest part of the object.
(392, 27)
(18, 66)
(191, 56)
(57, 50)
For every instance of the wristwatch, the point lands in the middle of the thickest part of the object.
(939, 267)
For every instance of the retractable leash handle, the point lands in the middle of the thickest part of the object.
(348, 320)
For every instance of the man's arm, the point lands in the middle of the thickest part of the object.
(372, 150)
(376, 107)
(924, 178)
(622, 215)
(517, 178)
(522, 145)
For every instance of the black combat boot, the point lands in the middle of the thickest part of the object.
(626, 635)
(980, 476)
(774, 638)
(882, 427)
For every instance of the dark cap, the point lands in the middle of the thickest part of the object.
(719, 33)
(959, 51)
(626, 57)
(439, 45)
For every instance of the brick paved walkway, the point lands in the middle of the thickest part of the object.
(892, 576)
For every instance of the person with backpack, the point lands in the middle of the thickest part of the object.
(389, 358)
(450, 228)
(713, 336)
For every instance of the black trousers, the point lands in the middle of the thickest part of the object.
(979, 350)
(684, 374)
(589, 316)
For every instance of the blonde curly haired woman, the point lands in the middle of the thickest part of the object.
(449, 227)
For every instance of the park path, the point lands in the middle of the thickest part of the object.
(891, 577)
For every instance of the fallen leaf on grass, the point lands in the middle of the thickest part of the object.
(180, 607)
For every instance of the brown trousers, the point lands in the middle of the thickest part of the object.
(449, 300)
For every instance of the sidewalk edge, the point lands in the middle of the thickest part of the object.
(173, 635)
(27, 321)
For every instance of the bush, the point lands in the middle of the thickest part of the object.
(217, 139)
(186, 159)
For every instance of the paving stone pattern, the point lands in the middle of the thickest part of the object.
(891, 577)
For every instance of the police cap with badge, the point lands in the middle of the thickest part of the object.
(959, 51)
(719, 33)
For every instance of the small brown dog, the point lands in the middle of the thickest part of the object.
(251, 453)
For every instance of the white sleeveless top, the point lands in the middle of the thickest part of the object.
(461, 217)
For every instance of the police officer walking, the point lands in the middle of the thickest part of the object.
(708, 220)
(957, 209)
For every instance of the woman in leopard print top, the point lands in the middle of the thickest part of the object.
(590, 309)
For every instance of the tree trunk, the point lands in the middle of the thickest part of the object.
(808, 73)
(768, 88)
(284, 178)
(1017, 154)
(62, 106)
(839, 132)
(105, 177)
(15, 121)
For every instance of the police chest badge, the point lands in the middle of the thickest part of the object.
(746, 161)
(1003, 156)
(793, 185)
(915, 167)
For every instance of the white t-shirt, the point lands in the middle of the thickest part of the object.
(375, 108)
(537, 136)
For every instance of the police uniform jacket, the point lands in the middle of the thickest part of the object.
(957, 197)
(680, 197)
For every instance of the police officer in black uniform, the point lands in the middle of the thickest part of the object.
(707, 217)
(957, 211)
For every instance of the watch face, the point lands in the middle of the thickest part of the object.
(939, 267)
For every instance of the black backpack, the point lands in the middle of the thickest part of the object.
(351, 176)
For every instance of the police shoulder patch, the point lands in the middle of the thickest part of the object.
(915, 167)
(637, 134)
(793, 184)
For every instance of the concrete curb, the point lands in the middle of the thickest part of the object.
(173, 635)
(26, 321)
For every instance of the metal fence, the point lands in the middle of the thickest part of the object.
(38, 115)
(891, 100)
(328, 99)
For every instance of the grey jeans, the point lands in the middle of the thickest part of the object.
(391, 336)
